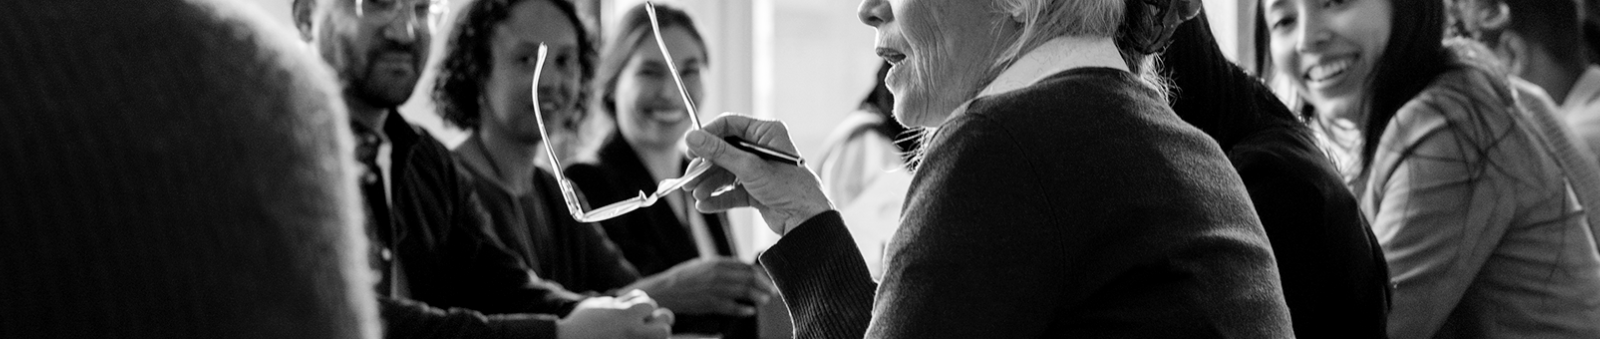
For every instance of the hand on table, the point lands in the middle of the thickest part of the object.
(785, 194)
(632, 315)
(723, 286)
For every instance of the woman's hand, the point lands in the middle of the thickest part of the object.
(723, 286)
(632, 315)
(785, 194)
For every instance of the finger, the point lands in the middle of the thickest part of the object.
(664, 316)
(713, 180)
(641, 311)
(735, 198)
(729, 123)
(711, 147)
(729, 306)
(639, 297)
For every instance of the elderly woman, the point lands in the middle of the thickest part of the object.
(1060, 196)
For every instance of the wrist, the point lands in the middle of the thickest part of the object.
(801, 217)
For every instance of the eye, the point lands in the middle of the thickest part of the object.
(653, 72)
(1283, 23)
(378, 4)
(1333, 3)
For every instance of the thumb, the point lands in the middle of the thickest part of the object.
(706, 146)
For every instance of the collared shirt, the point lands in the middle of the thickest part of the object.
(1054, 56)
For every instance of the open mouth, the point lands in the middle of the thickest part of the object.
(891, 55)
(1328, 71)
(664, 114)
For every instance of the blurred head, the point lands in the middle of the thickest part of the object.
(376, 47)
(486, 76)
(187, 176)
(945, 51)
(635, 87)
(1359, 59)
(1517, 29)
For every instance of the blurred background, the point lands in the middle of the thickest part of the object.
(805, 62)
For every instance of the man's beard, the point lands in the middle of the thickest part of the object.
(378, 88)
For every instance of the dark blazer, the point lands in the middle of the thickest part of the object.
(538, 229)
(1077, 207)
(454, 266)
(652, 238)
(1334, 275)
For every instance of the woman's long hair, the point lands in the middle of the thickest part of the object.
(1414, 56)
(634, 32)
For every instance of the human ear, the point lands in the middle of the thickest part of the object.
(302, 18)
(1511, 49)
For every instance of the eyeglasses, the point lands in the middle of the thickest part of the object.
(429, 11)
(696, 168)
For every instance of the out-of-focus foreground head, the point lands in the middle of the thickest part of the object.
(173, 169)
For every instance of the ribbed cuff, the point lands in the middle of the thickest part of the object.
(821, 276)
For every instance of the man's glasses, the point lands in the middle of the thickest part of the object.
(696, 168)
(427, 11)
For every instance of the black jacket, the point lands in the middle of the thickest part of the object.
(652, 238)
(1334, 276)
(450, 256)
(538, 229)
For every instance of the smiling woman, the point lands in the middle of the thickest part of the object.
(669, 241)
(1471, 203)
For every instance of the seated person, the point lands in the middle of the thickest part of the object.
(173, 169)
(1470, 201)
(442, 272)
(1060, 197)
(688, 255)
(1334, 276)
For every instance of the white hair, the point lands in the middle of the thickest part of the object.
(1042, 20)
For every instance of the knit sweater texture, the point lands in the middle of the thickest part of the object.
(173, 169)
(1077, 207)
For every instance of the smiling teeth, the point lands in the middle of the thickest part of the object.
(1328, 70)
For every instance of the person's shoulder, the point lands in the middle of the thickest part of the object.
(1465, 107)
(1087, 88)
(1283, 148)
(1285, 160)
(594, 179)
(585, 172)
(1087, 107)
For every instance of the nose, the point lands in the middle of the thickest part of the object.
(403, 27)
(874, 12)
(1312, 33)
(667, 92)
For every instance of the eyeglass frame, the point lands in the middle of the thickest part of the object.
(437, 9)
(570, 195)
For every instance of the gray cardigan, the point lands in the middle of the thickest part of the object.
(1079, 207)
